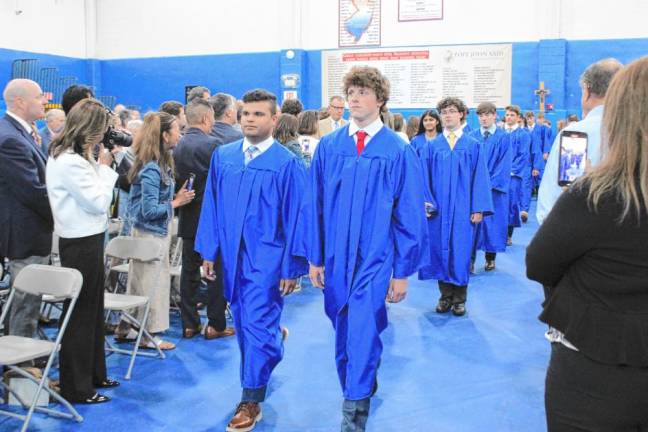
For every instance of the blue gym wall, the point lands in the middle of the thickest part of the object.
(146, 82)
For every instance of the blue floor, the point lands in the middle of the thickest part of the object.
(481, 372)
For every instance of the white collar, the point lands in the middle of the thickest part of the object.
(339, 122)
(491, 129)
(22, 122)
(262, 146)
(372, 129)
(511, 128)
(457, 133)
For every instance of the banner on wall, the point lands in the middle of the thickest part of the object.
(421, 76)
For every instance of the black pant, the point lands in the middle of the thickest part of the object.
(454, 293)
(584, 395)
(511, 228)
(189, 285)
(490, 256)
(82, 357)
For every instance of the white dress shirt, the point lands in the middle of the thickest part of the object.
(22, 122)
(261, 147)
(457, 133)
(372, 129)
(80, 193)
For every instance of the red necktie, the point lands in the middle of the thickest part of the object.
(361, 135)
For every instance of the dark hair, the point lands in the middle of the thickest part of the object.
(412, 126)
(368, 77)
(516, 109)
(196, 93)
(124, 117)
(455, 102)
(172, 107)
(308, 122)
(74, 94)
(292, 106)
(148, 144)
(286, 129)
(220, 102)
(486, 108)
(429, 113)
(324, 113)
(572, 118)
(261, 95)
(87, 117)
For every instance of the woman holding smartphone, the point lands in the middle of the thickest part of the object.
(80, 191)
(151, 205)
(591, 251)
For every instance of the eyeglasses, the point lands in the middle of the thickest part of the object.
(449, 111)
(337, 107)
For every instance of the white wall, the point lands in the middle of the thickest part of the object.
(154, 28)
(46, 26)
(108, 29)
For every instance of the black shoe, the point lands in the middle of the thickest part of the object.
(490, 265)
(95, 399)
(443, 306)
(459, 309)
(107, 383)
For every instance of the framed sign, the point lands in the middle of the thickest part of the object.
(358, 23)
(420, 10)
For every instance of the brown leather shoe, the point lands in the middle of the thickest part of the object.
(188, 333)
(246, 417)
(212, 333)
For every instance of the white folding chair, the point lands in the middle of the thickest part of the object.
(134, 249)
(15, 350)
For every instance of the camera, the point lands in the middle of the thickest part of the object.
(113, 138)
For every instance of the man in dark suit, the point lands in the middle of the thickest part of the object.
(225, 114)
(26, 222)
(193, 156)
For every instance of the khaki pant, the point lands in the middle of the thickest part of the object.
(152, 280)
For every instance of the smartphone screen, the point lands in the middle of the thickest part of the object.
(190, 181)
(573, 156)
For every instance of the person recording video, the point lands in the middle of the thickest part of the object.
(80, 191)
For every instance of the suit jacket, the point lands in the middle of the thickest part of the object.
(324, 126)
(46, 138)
(26, 222)
(225, 133)
(193, 155)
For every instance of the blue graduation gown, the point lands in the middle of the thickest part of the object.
(536, 162)
(365, 225)
(418, 142)
(493, 231)
(249, 217)
(519, 140)
(459, 182)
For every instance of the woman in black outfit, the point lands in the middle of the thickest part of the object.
(592, 253)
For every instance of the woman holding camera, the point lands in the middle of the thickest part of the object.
(80, 190)
(151, 205)
(591, 251)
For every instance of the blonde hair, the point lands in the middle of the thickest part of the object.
(148, 144)
(623, 172)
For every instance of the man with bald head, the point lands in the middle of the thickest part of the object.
(25, 216)
(55, 119)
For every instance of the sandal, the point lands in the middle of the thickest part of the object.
(107, 383)
(95, 399)
(162, 344)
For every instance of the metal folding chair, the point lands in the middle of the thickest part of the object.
(15, 350)
(134, 249)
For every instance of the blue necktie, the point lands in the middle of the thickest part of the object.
(486, 135)
(250, 153)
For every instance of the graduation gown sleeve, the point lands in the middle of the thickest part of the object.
(409, 227)
(481, 199)
(292, 265)
(206, 242)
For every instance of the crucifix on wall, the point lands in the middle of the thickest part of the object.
(542, 92)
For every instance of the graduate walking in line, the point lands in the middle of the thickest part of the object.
(248, 219)
(520, 142)
(457, 177)
(491, 234)
(365, 234)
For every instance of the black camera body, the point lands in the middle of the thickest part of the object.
(113, 138)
